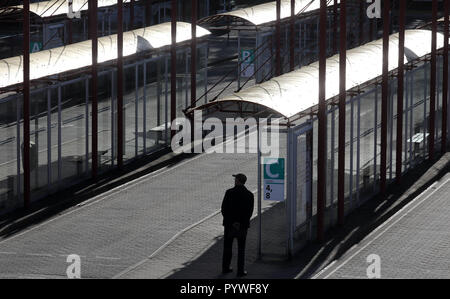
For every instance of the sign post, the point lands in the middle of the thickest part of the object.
(273, 187)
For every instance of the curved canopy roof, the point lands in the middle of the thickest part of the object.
(297, 91)
(78, 55)
(267, 12)
(51, 8)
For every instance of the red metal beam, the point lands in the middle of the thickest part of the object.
(445, 79)
(173, 64)
(194, 17)
(342, 110)
(70, 31)
(384, 95)
(278, 39)
(292, 37)
(194, 5)
(148, 12)
(361, 22)
(131, 14)
(321, 159)
(400, 89)
(120, 83)
(335, 25)
(26, 103)
(372, 27)
(433, 74)
(94, 84)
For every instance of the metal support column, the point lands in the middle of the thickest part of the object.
(120, 84)
(60, 122)
(70, 31)
(400, 89)
(194, 4)
(292, 37)
(173, 64)
(258, 192)
(342, 98)
(384, 95)
(136, 109)
(26, 103)
(361, 22)
(49, 137)
(335, 25)
(432, 117)
(148, 13)
(445, 79)
(131, 15)
(94, 84)
(321, 159)
(278, 39)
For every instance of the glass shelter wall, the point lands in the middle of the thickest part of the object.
(61, 123)
(362, 144)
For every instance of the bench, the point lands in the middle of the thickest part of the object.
(367, 172)
(157, 133)
(78, 161)
(416, 140)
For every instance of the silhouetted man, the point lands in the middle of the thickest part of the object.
(237, 209)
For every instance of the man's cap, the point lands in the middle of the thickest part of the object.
(240, 177)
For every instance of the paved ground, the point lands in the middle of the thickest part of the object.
(187, 258)
(414, 243)
(124, 226)
(151, 229)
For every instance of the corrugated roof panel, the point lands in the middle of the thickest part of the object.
(298, 91)
(266, 13)
(78, 55)
(51, 8)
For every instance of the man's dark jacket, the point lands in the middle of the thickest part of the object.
(237, 206)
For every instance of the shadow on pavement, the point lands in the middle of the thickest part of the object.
(42, 210)
(314, 256)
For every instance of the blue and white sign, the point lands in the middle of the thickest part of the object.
(274, 179)
(248, 63)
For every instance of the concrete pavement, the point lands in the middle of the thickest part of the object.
(151, 229)
(414, 243)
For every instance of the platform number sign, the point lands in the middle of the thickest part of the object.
(274, 179)
(35, 47)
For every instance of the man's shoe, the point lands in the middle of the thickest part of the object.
(226, 271)
(242, 274)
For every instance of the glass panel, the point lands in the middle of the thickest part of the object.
(377, 136)
(38, 140)
(202, 75)
(52, 138)
(105, 120)
(183, 82)
(73, 130)
(333, 134)
(301, 214)
(8, 149)
(349, 161)
(392, 130)
(439, 101)
(154, 103)
(420, 98)
(129, 113)
(367, 145)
